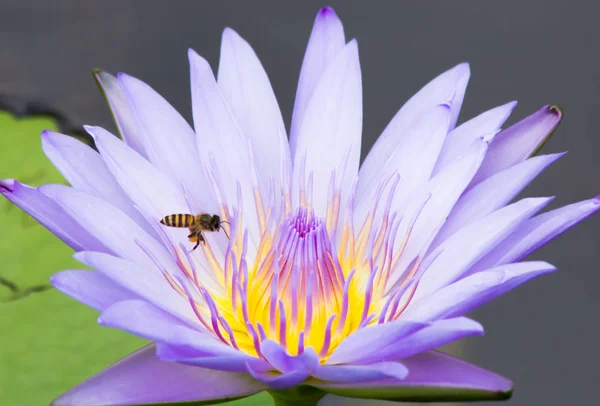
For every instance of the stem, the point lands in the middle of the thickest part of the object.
(298, 396)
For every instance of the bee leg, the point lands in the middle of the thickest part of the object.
(197, 244)
(199, 239)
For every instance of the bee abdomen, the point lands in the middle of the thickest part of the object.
(178, 220)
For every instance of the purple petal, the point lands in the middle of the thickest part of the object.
(519, 142)
(459, 252)
(326, 41)
(439, 333)
(223, 147)
(484, 124)
(248, 92)
(413, 159)
(117, 231)
(278, 357)
(536, 232)
(465, 295)
(151, 191)
(50, 214)
(329, 138)
(148, 321)
(237, 362)
(447, 88)
(358, 345)
(145, 281)
(493, 193)
(120, 109)
(90, 288)
(169, 141)
(440, 194)
(432, 376)
(142, 378)
(361, 373)
(84, 169)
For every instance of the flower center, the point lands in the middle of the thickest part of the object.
(293, 293)
(302, 285)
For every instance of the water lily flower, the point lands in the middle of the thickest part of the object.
(328, 278)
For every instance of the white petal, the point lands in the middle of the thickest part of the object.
(536, 232)
(326, 41)
(471, 292)
(493, 193)
(439, 195)
(90, 288)
(461, 137)
(121, 110)
(219, 135)
(113, 228)
(169, 142)
(454, 257)
(248, 92)
(447, 88)
(413, 159)
(330, 135)
(146, 281)
(85, 170)
(151, 191)
(439, 333)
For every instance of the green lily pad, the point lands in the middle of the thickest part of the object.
(49, 341)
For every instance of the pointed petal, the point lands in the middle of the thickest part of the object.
(536, 232)
(169, 141)
(148, 321)
(358, 345)
(447, 88)
(278, 357)
(361, 373)
(223, 148)
(493, 193)
(84, 169)
(145, 281)
(326, 41)
(230, 362)
(248, 92)
(329, 138)
(50, 214)
(439, 333)
(141, 378)
(120, 110)
(413, 160)
(433, 376)
(519, 142)
(465, 295)
(90, 288)
(459, 252)
(111, 226)
(461, 137)
(151, 191)
(439, 195)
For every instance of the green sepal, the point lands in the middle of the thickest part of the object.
(421, 394)
(560, 113)
(96, 73)
(302, 395)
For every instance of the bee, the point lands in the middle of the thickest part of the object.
(196, 224)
